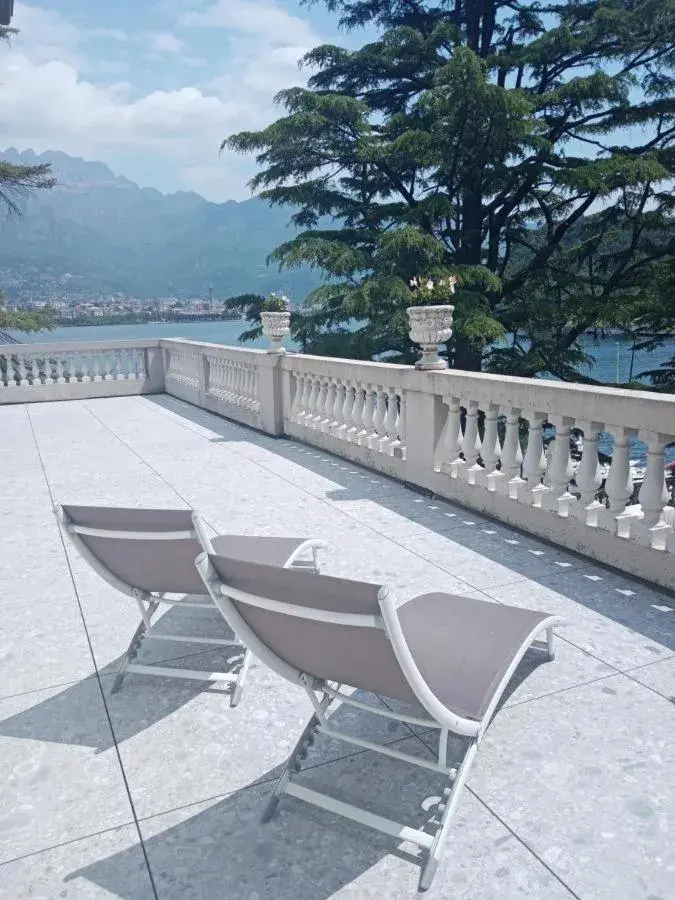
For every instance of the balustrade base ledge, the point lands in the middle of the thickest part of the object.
(80, 390)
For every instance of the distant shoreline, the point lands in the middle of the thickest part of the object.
(97, 321)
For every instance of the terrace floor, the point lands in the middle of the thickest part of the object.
(156, 791)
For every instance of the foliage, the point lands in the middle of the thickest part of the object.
(275, 303)
(17, 181)
(508, 142)
(430, 291)
(25, 321)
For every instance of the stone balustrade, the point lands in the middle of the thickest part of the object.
(496, 444)
(226, 380)
(70, 371)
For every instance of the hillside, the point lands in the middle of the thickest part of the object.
(99, 232)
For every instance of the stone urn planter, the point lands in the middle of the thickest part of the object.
(429, 327)
(275, 326)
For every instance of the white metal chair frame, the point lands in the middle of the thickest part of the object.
(323, 694)
(149, 603)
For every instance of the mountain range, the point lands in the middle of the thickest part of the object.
(98, 232)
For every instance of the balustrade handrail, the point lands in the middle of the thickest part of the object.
(250, 354)
(77, 346)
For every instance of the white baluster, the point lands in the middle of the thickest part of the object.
(588, 477)
(74, 369)
(512, 456)
(401, 450)
(391, 418)
(559, 471)
(23, 374)
(6, 370)
(241, 385)
(247, 387)
(379, 419)
(367, 410)
(222, 375)
(58, 370)
(396, 446)
(450, 442)
(367, 426)
(46, 366)
(357, 413)
(255, 398)
(299, 384)
(320, 415)
(329, 410)
(130, 356)
(313, 401)
(338, 408)
(653, 495)
(120, 365)
(471, 444)
(491, 449)
(303, 412)
(619, 485)
(107, 369)
(534, 461)
(141, 364)
(347, 412)
(97, 365)
(34, 371)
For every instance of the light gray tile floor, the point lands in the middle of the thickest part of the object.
(156, 791)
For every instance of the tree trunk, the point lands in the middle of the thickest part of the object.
(466, 357)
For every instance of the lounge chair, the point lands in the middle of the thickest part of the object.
(451, 655)
(149, 553)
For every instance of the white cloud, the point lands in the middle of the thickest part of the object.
(55, 98)
(263, 19)
(162, 42)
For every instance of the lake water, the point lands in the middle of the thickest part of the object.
(607, 352)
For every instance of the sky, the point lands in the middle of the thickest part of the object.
(151, 88)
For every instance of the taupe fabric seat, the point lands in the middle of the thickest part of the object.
(148, 554)
(451, 655)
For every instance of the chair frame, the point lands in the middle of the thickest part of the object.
(150, 603)
(323, 694)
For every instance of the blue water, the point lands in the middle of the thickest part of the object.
(606, 352)
(211, 332)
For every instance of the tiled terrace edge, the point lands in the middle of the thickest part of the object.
(420, 427)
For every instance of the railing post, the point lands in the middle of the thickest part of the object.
(154, 369)
(424, 418)
(269, 393)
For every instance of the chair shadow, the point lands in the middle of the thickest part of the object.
(304, 853)
(142, 701)
(359, 483)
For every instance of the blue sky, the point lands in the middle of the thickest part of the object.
(151, 88)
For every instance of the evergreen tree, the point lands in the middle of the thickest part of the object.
(475, 138)
(16, 181)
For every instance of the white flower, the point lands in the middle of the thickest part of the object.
(430, 285)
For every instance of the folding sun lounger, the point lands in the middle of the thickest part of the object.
(452, 655)
(149, 553)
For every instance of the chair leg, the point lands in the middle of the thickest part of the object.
(239, 683)
(133, 648)
(447, 808)
(549, 643)
(293, 765)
